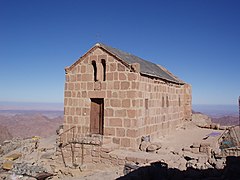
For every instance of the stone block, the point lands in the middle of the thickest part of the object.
(95, 153)
(13, 157)
(120, 113)
(127, 123)
(96, 159)
(105, 155)
(195, 150)
(93, 57)
(135, 67)
(205, 144)
(87, 159)
(116, 85)
(109, 131)
(102, 57)
(109, 112)
(204, 149)
(109, 76)
(141, 160)
(120, 132)
(131, 94)
(120, 67)
(115, 122)
(113, 67)
(116, 140)
(132, 76)
(115, 76)
(131, 159)
(122, 76)
(152, 148)
(202, 159)
(125, 85)
(7, 165)
(87, 77)
(97, 94)
(131, 113)
(195, 145)
(125, 142)
(90, 86)
(126, 103)
(131, 133)
(105, 161)
(121, 162)
(83, 69)
(115, 102)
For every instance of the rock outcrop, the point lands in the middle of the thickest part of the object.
(4, 134)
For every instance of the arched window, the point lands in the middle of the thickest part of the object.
(94, 70)
(104, 69)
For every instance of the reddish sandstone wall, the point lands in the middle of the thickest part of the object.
(119, 91)
(134, 105)
(165, 106)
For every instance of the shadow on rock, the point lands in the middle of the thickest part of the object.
(160, 171)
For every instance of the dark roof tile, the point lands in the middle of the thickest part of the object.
(146, 67)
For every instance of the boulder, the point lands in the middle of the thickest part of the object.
(152, 148)
(7, 165)
(144, 145)
(158, 144)
(1, 151)
(13, 157)
(201, 120)
(214, 126)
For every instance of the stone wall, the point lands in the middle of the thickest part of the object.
(160, 106)
(119, 91)
(134, 105)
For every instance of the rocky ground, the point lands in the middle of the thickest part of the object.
(192, 152)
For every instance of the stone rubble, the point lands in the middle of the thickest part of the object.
(33, 157)
(148, 146)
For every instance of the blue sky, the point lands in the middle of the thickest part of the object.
(197, 40)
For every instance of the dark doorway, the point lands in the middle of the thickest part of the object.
(96, 116)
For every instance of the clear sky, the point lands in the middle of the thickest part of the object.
(197, 40)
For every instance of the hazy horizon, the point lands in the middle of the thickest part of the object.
(209, 109)
(45, 106)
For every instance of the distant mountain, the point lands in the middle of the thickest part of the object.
(27, 125)
(4, 134)
(31, 106)
(217, 111)
(226, 120)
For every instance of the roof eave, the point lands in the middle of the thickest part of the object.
(165, 79)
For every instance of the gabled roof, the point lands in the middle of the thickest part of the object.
(146, 67)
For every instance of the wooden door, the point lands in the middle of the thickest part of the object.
(96, 116)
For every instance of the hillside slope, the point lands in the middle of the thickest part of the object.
(4, 134)
(26, 125)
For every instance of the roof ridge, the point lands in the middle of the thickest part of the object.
(147, 67)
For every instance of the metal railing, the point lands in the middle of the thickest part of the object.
(229, 141)
(71, 138)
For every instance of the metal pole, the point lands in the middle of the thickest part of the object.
(239, 110)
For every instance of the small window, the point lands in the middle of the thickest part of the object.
(146, 103)
(104, 69)
(167, 101)
(162, 101)
(94, 70)
(179, 101)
